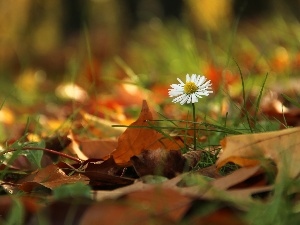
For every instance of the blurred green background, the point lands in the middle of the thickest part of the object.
(103, 45)
(50, 35)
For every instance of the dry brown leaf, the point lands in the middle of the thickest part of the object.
(219, 188)
(235, 177)
(283, 147)
(138, 137)
(156, 205)
(49, 177)
(75, 147)
(92, 149)
(210, 171)
(102, 174)
(137, 186)
(248, 192)
(98, 149)
(114, 213)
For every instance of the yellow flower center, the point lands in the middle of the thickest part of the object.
(190, 87)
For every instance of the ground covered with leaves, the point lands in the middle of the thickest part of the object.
(104, 144)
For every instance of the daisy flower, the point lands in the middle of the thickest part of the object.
(195, 87)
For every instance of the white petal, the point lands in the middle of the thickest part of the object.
(198, 94)
(187, 78)
(193, 79)
(201, 93)
(181, 83)
(176, 86)
(201, 81)
(206, 84)
(189, 99)
(179, 98)
(174, 93)
(197, 79)
(194, 98)
(184, 99)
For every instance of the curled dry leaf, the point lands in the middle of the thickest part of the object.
(192, 157)
(283, 147)
(158, 162)
(163, 162)
(139, 136)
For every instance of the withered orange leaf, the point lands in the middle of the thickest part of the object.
(139, 136)
(283, 147)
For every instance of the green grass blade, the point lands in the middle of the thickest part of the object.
(244, 98)
(293, 101)
(258, 101)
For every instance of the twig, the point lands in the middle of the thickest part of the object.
(42, 149)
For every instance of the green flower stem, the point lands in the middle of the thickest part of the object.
(194, 122)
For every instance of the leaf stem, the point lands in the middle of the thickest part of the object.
(194, 122)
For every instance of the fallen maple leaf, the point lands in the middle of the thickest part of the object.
(283, 147)
(139, 136)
